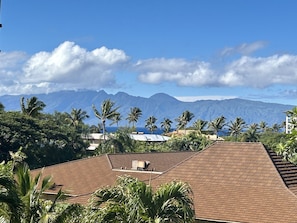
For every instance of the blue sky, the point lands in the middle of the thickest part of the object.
(193, 49)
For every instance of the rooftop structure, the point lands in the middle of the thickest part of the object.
(231, 182)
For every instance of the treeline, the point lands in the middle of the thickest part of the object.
(54, 138)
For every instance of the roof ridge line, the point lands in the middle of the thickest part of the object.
(66, 162)
(186, 159)
(108, 160)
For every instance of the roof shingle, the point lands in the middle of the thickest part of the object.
(235, 182)
(231, 182)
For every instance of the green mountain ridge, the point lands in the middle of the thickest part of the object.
(159, 105)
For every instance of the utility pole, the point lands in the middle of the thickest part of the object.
(0, 19)
(0, 14)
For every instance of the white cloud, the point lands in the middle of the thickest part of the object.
(70, 66)
(180, 71)
(11, 60)
(67, 67)
(261, 72)
(10, 70)
(74, 66)
(204, 97)
(243, 49)
(258, 72)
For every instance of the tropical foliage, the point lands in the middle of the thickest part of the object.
(166, 125)
(1, 107)
(32, 107)
(76, 118)
(108, 112)
(236, 127)
(134, 115)
(21, 196)
(151, 124)
(217, 125)
(46, 139)
(288, 148)
(184, 119)
(22, 200)
(134, 201)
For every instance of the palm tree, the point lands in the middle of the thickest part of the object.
(31, 191)
(96, 128)
(32, 107)
(217, 125)
(150, 124)
(119, 142)
(252, 135)
(11, 207)
(21, 196)
(116, 119)
(199, 125)
(134, 115)
(276, 127)
(263, 126)
(184, 119)
(108, 112)
(131, 200)
(166, 125)
(30, 194)
(76, 117)
(1, 107)
(236, 127)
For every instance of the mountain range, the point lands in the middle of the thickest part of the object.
(159, 105)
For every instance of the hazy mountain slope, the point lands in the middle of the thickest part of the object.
(159, 105)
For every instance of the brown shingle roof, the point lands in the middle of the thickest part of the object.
(231, 182)
(80, 178)
(235, 182)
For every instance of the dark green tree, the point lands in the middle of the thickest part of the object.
(166, 125)
(108, 112)
(217, 125)
(116, 119)
(47, 140)
(76, 118)
(263, 126)
(184, 119)
(32, 107)
(131, 200)
(1, 107)
(236, 127)
(151, 124)
(199, 125)
(252, 133)
(134, 115)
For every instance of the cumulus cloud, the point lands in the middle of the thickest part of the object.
(261, 72)
(70, 67)
(73, 66)
(10, 70)
(180, 71)
(67, 67)
(255, 72)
